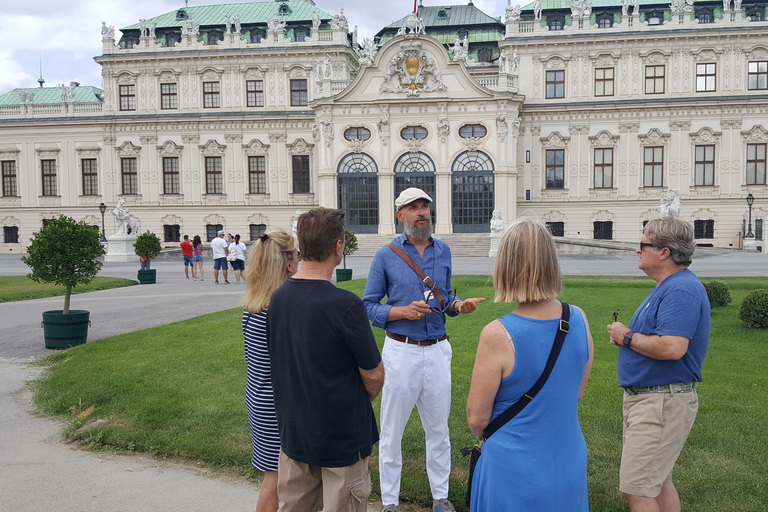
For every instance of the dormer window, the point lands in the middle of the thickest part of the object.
(442, 14)
(300, 34)
(181, 14)
(214, 36)
(756, 14)
(485, 55)
(705, 16)
(604, 20)
(654, 18)
(257, 36)
(284, 9)
(462, 34)
(130, 41)
(555, 22)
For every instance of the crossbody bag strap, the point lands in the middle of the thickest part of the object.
(424, 277)
(518, 406)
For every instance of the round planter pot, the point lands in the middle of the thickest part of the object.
(343, 274)
(147, 276)
(64, 331)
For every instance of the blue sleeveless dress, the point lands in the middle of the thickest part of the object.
(537, 462)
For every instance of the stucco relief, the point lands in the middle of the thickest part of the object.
(126, 78)
(299, 147)
(604, 139)
(168, 76)
(555, 63)
(190, 138)
(256, 148)
(604, 61)
(730, 123)
(623, 168)
(758, 53)
(654, 137)
(212, 148)
(414, 145)
(706, 56)
(211, 75)
(573, 170)
(412, 71)
(555, 140)
(127, 149)
(149, 140)
(756, 134)
(254, 73)
(656, 58)
(705, 136)
(704, 214)
(233, 138)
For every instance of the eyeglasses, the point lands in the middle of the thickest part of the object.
(643, 245)
(616, 316)
(447, 303)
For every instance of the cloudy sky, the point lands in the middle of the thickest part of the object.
(67, 35)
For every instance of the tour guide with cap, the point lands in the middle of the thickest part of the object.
(414, 273)
(659, 363)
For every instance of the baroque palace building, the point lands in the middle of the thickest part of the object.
(237, 116)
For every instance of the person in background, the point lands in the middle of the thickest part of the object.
(186, 251)
(239, 264)
(272, 259)
(219, 251)
(538, 459)
(197, 258)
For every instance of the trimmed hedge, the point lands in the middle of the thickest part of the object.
(754, 310)
(718, 294)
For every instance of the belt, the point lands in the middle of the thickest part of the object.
(411, 341)
(688, 387)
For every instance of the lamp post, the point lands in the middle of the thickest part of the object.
(750, 200)
(103, 209)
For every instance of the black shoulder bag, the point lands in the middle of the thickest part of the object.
(518, 406)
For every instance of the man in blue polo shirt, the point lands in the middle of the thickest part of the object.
(417, 355)
(659, 363)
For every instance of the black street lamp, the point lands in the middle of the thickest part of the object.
(103, 209)
(750, 200)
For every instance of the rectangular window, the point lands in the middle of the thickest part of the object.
(705, 77)
(556, 84)
(90, 177)
(301, 174)
(211, 230)
(9, 178)
(604, 168)
(213, 175)
(555, 168)
(757, 78)
(211, 95)
(257, 175)
(654, 79)
(254, 93)
(704, 173)
(127, 97)
(603, 230)
(298, 93)
(169, 99)
(171, 182)
(10, 234)
(604, 82)
(256, 230)
(130, 176)
(172, 232)
(48, 168)
(758, 229)
(756, 164)
(653, 167)
(704, 229)
(556, 228)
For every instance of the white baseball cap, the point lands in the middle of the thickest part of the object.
(410, 195)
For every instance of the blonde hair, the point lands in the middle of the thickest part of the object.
(527, 269)
(266, 268)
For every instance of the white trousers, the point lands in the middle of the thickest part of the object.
(419, 376)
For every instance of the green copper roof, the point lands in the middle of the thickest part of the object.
(49, 95)
(249, 13)
(454, 15)
(597, 4)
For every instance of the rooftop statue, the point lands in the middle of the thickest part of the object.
(152, 25)
(228, 23)
(339, 21)
(237, 23)
(513, 13)
(537, 10)
(367, 51)
(276, 24)
(107, 32)
(315, 21)
(143, 27)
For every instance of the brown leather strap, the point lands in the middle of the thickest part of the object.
(425, 278)
(411, 341)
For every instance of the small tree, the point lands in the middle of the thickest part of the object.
(350, 245)
(64, 253)
(147, 245)
(754, 309)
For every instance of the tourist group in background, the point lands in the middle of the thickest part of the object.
(314, 369)
(224, 253)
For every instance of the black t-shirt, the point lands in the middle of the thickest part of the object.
(318, 337)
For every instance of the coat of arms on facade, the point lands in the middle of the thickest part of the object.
(412, 71)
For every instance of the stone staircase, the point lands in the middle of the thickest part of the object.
(461, 244)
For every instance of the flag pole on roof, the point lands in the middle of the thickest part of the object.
(416, 12)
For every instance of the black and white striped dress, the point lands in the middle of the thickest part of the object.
(258, 393)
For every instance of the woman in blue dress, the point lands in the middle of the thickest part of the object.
(538, 460)
(271, 261)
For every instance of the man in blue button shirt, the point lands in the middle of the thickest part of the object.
(417, 354)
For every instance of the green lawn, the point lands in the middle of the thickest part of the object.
(178, 391)
(13, 288)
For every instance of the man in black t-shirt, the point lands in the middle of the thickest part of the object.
(326, 371)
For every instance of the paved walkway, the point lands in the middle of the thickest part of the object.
(39, 472)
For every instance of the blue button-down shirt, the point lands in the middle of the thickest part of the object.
(390, 276)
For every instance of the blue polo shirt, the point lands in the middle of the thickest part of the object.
(390, 276)
(679, 306)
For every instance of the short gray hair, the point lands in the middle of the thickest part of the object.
(674, 234)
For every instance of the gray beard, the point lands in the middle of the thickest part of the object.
(419, 233)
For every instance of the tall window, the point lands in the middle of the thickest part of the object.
(48, 168)
(10, 234)
(171, 181)
(604, 168)
(211, 95)
(485, 55)
(9, 178)
(299, 93)
(756, 164)
(213, 175)
(90, 177)
(300, 34)
(130, 174)
(169, 98)
(704, 229)
(301, 174)
(603, 230)
(654, 79)
(556, 84)
(653, 166)
(172, 232)
(254, 93)
(758, 75)
(705, 166)
(555, 168)
(705, 77)
(127, 97)
(257, 175)
(211, 230)
(604, 82)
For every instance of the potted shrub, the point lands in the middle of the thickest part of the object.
(350, 246)
(65, 252)
(147, 246)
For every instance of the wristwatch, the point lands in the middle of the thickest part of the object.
(628, 338)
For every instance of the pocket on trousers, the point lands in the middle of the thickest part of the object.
(360, 489)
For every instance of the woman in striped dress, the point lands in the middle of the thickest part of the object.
(271, 261)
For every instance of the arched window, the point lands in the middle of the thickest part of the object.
(705, 16)
(413, 132)
(257, 36)
(555, 22)
(485, 54)
(472, 192)
(604, 20)
(300, 34)
(214, 36)
(415, 170)
(357, 133)
(756, 14)
(462, 34)
(472, 131)
(358, 187)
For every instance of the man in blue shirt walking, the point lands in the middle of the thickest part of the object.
(417, 354)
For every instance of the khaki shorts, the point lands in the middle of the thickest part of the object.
(305, 488)
(656, 426)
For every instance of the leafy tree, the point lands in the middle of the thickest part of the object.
(65, 252)
(350, 245)
(147, 245)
